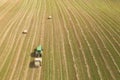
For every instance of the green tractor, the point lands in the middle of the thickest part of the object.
(39, 51)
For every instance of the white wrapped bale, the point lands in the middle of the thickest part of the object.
(25, 31)
(49, 17)
(38, 61)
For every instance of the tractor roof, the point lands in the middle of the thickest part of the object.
(39, 48)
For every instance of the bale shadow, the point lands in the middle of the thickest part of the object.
(31, 65)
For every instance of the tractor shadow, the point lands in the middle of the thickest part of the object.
(31, 65)
(33, 53)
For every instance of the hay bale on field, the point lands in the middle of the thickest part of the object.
(25, 32)
(49, 17)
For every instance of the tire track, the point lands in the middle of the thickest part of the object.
(13, 71)
(117, 35)
(42, 35)
(83, 52)
(51, 52)
(30, 38)
(10, 24)
(15, 36)
(62, 40)
(58, 66)
(71, 45)
(94, 58)
(37, 23)
(91, 51)
(19, 24)
(114, 78)
(34, 38)
(109, 51)
(6, 10)
(71, 48)
(107, 65)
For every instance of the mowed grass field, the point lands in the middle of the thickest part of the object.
(80, 42)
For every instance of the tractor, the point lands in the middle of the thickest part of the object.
(38, 58)
(39, 51)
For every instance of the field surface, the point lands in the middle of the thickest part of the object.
(80, 42)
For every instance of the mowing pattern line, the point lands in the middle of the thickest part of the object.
(80, 42)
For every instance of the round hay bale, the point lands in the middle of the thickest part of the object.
(25, 32)
(49, 17)
(38, 62)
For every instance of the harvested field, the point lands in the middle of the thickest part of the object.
(81, 40)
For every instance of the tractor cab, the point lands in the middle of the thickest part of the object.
(39, 51)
